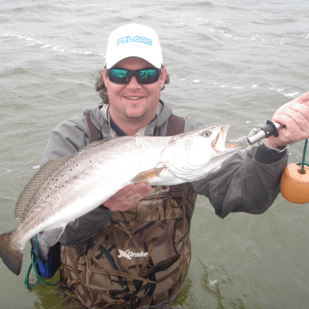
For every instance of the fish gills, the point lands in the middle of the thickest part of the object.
(11, 256)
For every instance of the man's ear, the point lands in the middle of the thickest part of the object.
(163, 76)
(104, 75)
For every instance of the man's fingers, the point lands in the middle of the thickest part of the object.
(127, 197)
(304, 98)
(294, 116)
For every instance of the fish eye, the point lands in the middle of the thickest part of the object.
(206, 133)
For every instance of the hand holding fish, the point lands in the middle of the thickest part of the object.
(294, 116)
(127, 197)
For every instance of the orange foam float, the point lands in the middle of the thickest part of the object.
(295, 184)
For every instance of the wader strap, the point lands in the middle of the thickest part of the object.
(175, 125)
(95, 134)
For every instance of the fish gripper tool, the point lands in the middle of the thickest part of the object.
(270, 129)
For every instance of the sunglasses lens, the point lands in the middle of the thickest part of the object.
(119, 76)
(146, 76)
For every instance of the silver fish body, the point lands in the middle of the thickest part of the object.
(68, 188)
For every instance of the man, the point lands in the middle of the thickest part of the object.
(134, 251)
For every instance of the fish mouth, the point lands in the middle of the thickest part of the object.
(218, 144)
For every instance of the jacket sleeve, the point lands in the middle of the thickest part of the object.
(249, 184)
(66, 139)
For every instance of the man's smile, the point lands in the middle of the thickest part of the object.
(133, 98)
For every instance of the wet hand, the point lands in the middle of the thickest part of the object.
(294, 115)
(127, 197)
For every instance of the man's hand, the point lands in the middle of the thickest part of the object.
(127, 197)
(295, 118)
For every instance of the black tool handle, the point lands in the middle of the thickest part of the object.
(271, 128)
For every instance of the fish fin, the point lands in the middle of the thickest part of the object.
(147, 175)
(11, 256)
(35, 183)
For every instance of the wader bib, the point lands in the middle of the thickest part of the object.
(141, 256)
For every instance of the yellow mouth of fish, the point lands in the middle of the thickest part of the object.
(222, 133)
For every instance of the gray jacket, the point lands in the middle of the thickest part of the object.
(241, 185)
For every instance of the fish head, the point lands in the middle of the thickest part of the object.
(193, 155)
(206, 150)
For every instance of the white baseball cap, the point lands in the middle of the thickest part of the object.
(134, 40)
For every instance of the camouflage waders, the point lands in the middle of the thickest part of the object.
(140, 257)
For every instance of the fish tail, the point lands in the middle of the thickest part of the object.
(11, 256)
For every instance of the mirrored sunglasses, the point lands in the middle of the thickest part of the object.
(143, 76)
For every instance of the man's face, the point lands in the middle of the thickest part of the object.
(133, 102)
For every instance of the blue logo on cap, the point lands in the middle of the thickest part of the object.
(137, 39)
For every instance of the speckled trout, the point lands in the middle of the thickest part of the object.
(68, 188)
